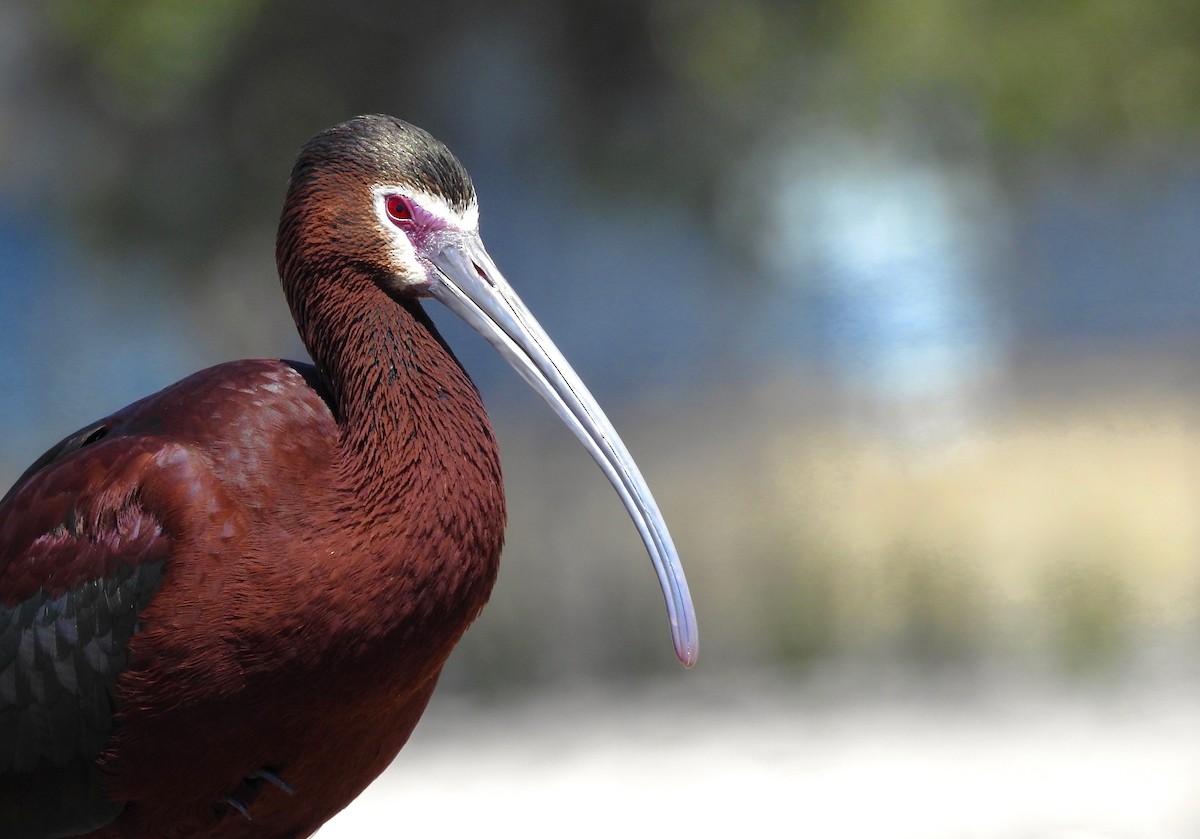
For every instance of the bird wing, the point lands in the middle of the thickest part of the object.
(81, 554)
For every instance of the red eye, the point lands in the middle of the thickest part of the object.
(398, 209)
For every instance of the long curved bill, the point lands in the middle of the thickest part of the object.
(474, 289)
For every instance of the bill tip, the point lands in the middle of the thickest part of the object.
(687, 654)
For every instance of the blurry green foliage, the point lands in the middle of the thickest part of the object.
(939, 606)
(666, 96)
(798, 611)
(1079, 73)
(151, 56)
(1092, 615)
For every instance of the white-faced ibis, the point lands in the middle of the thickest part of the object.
(224, 607)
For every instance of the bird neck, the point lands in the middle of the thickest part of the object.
(417, 463)
(396, 389)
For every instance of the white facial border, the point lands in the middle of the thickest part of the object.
(406, 264)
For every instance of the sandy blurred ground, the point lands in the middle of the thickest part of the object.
(908, 758)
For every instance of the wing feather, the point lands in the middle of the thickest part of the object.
(81, 555)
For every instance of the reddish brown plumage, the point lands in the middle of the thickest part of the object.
(224, 608)
(321, 571)
(329, 533)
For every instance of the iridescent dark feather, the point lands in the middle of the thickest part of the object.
(77, 567)
(59, 662)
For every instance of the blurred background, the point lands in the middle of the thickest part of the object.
(895, 304)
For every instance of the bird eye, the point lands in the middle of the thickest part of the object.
(399, 210)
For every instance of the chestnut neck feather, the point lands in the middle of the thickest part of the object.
(417, 487)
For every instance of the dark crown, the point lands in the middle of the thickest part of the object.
(388, 150)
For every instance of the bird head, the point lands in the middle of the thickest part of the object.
(393, 203)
